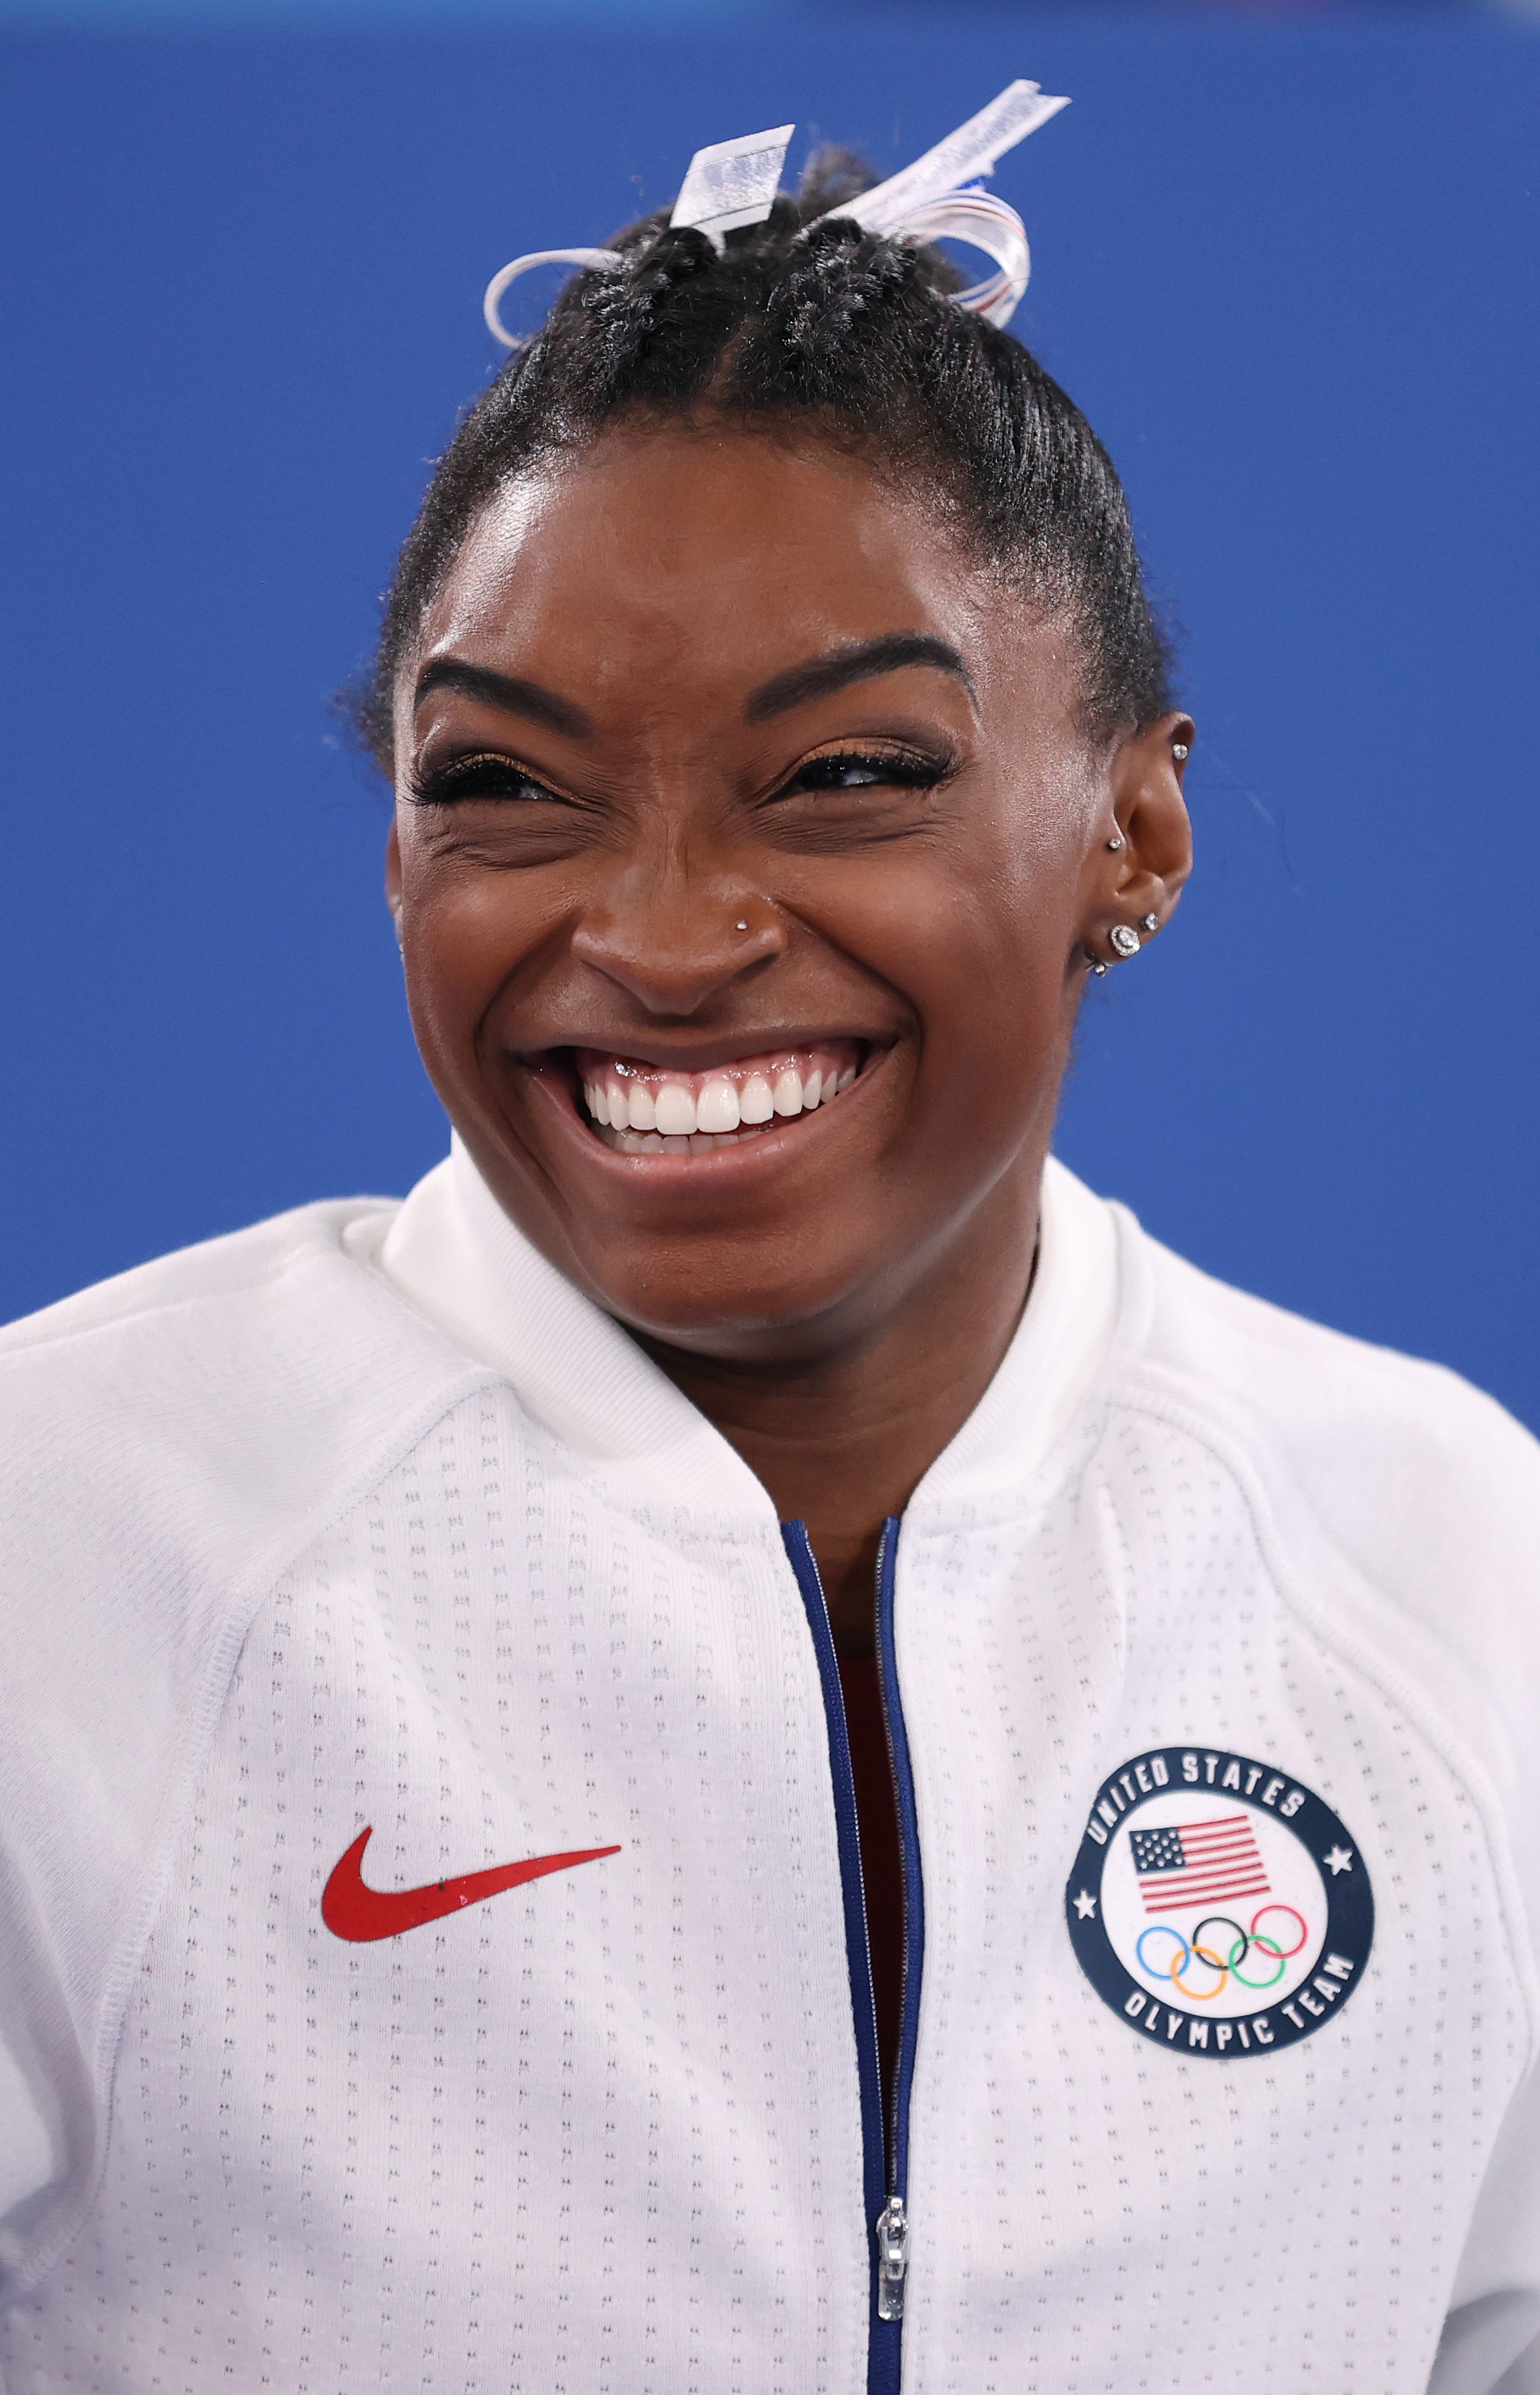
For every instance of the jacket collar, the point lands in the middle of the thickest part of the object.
(456, 1259)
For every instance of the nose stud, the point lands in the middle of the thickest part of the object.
(741, 927)
(1179, 750)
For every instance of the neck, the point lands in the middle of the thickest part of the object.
(842, 1437)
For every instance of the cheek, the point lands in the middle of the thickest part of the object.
(977, 942)
(465, 935)
(987, 953)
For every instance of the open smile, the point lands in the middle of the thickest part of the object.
(640, 1108)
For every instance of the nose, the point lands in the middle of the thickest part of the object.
(676, 941)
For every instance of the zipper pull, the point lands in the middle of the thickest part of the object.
(892, 2258)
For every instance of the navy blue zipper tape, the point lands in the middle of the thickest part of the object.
(884, 2337)
(858, 1945)
(909, 1840)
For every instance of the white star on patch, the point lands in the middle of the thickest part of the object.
(1339, 1859)
(1085, 1905)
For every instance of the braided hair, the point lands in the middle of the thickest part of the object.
(836, 336)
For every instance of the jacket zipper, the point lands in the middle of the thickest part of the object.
(885, 2154)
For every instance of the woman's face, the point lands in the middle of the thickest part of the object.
(731, 792)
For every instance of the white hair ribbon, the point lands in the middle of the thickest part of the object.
(927, 201)
(732, 183)
(986, 223)
(728, 183)
(965, 155)
(510, 273)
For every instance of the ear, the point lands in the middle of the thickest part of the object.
(393, 870)
(393, 875)
(1142, 848)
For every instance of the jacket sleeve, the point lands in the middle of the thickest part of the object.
(49, 2124)
(1430, 1495)
(168, 1443)
(1491, 2341)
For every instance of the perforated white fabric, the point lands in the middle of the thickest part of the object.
(287, 1562)
(551, 2140)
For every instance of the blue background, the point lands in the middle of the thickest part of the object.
(1289, 267)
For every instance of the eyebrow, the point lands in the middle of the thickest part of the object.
(859, 661)
(513, 695)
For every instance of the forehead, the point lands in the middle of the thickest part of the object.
(707, 560)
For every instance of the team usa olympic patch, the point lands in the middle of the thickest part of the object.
(1218, 1906)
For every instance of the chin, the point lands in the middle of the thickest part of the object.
(738, 1310)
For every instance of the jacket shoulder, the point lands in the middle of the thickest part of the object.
(1413, 1466)
(226, 1385)
(1403, 1506)
(239, 1262)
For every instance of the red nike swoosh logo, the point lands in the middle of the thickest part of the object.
(352, 1910)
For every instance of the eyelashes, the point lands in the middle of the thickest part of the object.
(840, 773)
(849, 770)
(496, 778)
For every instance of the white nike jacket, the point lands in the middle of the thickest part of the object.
(1210, 1654)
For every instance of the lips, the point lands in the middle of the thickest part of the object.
(643, 1108)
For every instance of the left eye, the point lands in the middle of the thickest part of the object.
(854, 772)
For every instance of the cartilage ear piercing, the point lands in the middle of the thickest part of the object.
(1116, 840)
(1149, 922)
(1125, 939)
(1179, 749)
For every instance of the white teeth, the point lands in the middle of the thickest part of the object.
(676, 1111)
(680, 1117)
(717, 1106)
(696, 1143)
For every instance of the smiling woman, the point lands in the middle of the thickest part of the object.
(726, 770)
(902, 1675)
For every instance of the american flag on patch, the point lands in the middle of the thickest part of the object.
(1202, 1862)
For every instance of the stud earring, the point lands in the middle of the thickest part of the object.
(1123, 937)
(1116, 840)
(1149, 922)
(1099, 968)
(1179, 750)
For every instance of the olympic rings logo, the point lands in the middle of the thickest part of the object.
(1246, 1941)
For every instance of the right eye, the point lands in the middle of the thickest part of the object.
(495, 778)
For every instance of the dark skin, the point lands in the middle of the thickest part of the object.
(627, 822)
